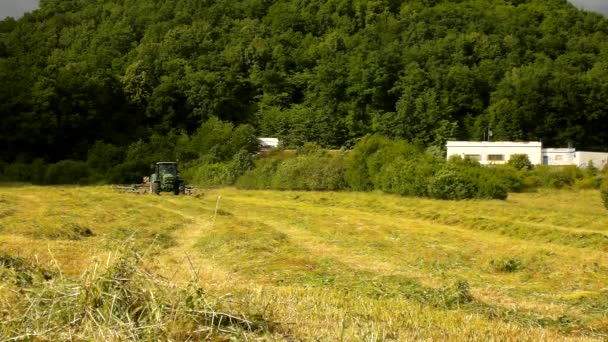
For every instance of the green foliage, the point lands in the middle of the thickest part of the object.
(208, 174)
(329, 72)
(449, 184)
(510, 177)
(593, 182)
(357, 173)
(604, 192)
(369, 156)
(491, 186)
(67, 172)
(129, 172)
(260, 177)
(22, 172)
(556, 177)
(407, 177)
(102, 157)
(310, 172)
(520, 162)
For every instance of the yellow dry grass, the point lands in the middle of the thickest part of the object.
(344, 266)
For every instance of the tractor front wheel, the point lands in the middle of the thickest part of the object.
(155, 188)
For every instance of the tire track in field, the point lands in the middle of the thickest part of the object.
(486, 226)
(319, 246)
(182, 262)
(372, 264)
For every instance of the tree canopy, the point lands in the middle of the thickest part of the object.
(328, 71)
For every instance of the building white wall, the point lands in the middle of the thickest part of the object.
(488, 152)
(582, 159)
(268, 143)
(558, 156)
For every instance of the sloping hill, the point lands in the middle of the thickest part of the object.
(326, 71)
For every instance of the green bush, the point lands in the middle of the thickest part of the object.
(240, 163)
(17, 172)
(450, 184)
(310, 172)
(604, 192)
(370, 155)
(102, 157)
(357, 174)
(22, 172)
(531, 181)
(128, 172)
(589, 183)
(490, 186)
(557, 177)
(213, 174)
(511, 178)
(67, 172)
(326, 173)
(520, 162)
(407, 177)
(260, 177)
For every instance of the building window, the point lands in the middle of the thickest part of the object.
(558, 157)
(496, 157)
(475, 157)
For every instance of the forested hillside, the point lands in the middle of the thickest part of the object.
(330, 71)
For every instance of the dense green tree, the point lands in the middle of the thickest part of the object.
(326, 71)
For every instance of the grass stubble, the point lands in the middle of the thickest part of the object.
(87, 263)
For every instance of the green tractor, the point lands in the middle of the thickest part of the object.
(166, 179)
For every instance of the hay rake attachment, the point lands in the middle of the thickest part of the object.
(142, 189)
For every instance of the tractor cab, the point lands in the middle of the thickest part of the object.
(166, 178)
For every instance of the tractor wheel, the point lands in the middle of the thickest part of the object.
(155, 188)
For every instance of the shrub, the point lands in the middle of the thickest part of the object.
(451, 184)
(557, 177)
(491, 187)
(17, 172)
(310, 148)
(509, 177)
(310, 172)
(531, 182)
(260, 177)
(22, 172)
(212, 174)
(406, 177)
(327, 173)
(240, 163)
(357, 174)
(67, 172)
(102, 157)
(128, 172)
(520, 162)
(370, 155)
(604, 192)
(589, 183)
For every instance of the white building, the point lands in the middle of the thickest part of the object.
(495, 152)
(559, 156)
(268, 143)
(499, 152)
(582, 159)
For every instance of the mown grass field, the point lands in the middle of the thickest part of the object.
(310, 266)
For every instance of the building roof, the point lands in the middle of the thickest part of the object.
(494, 144)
